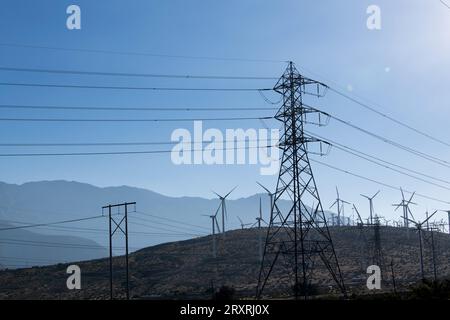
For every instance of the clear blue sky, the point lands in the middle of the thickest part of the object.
(327, 40)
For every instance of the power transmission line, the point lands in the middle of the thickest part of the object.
(168, 225)
(117, 153)
(50, 244)
(367, 158)
(341, 147)
(98, 231)
(378, 182)
(181, 232)
(89, 108)
(50, 223)
(69, 86)
(171, 220)
(376, 111)
(147, 54)
(41, 260)
(434, 159)
(143, 75)
(384, 115)
(133, 120)
(93, 144)
(393, 169)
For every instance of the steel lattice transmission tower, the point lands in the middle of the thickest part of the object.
(298, 233)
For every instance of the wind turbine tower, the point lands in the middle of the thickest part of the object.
(406, 211)
(214, 224)
(340, 208)
(259, 221)
(271, 198)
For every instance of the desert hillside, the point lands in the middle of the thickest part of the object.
(187, 269)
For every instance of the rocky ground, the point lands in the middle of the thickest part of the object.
(187, 269)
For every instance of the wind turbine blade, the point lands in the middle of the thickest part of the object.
(217, 211)
(337, 191)
(240, 220)
(417, 224)
(317, 208)
(333, 204)
(410, 213)
(217, 225)
(216, 194)
(230, 192)
(267, 190)
(429, 217)
(376, 194)
(409, 201)
(403, 195)
(357, 212)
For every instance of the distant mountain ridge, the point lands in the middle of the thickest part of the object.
(159, 218)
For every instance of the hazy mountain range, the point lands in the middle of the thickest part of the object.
(158, 219)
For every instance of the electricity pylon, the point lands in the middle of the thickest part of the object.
(362, 240)
(448, 213)
(340, 208)
(370, 205)
(377, 251)
(122, 226)
(298, 235)
(419, 231)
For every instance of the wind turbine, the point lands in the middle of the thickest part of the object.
(371, 205)
(272, 204)
(340, 205)
(406, 211)
(222, 206)
(359, 216)
(243, 225)
(419, 225)
(214, 224)
(259, 221)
